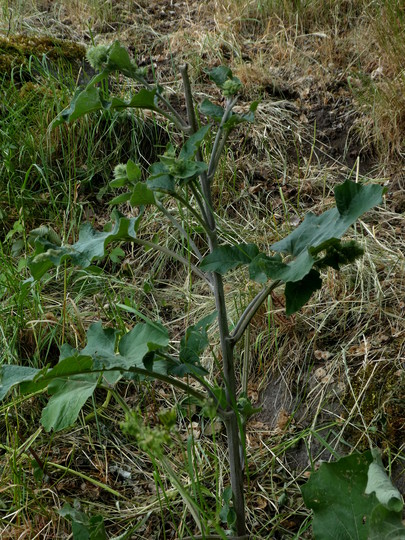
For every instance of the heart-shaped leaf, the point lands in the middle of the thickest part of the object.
(344, 506)
(305, 245)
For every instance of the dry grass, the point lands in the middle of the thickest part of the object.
(338, 363)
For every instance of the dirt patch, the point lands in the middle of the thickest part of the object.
(373, 398)
(332, 117)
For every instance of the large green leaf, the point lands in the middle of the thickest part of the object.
(100, 351)
(133, 346)
(315, 243)
(91, 245)
(352, 200)
(11, 376)
(324, 230)
(192, 345)
(343, 510)
(90, 100)
(139, 341)
(315, 231)
(73, 380)
(68, 397)
(225, 258)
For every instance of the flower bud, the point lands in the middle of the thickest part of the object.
(231, 87)
(97, 56)
(120, 171)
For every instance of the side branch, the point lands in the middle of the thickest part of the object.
(220, 139)
(250, 312)
(189, 98)
(174, 117)
(206, 208)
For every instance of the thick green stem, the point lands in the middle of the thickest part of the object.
(231, 420)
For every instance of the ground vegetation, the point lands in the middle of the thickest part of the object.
(330, 379)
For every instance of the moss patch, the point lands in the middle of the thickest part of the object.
(16, 51)
(381, 404)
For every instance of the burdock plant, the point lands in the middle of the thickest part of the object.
(185, 175)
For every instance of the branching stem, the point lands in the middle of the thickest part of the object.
(175, 117)
(220, 139)
(250, 312)
(205, 188)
